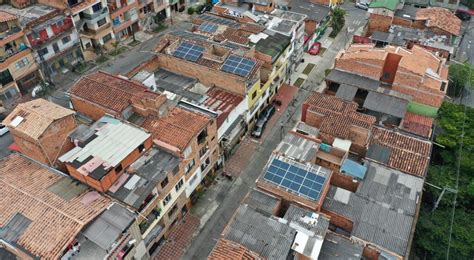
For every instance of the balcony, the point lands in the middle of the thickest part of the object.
(10, 35)
(153, 234)
(97, 15)
(97, 33)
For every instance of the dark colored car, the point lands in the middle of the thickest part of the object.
(464, 16)
(268, 112)
(259, 127)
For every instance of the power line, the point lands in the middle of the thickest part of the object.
(458, 167)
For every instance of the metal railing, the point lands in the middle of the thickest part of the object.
(96, 15)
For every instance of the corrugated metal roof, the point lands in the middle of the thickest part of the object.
(263, 235)
(386, 104)
(353, 168)
(261, 201)
(379, 153)
(382, 208)
(301, 216)
(114, 140)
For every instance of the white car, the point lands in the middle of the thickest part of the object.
(3, 130)
(363, 6)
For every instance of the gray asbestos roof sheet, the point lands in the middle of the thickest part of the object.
(108, 227)
(386, 104)
(351, 79)
(383, 207)
(261, 202)
(263, 235)
(337, 247)
(346, 92)
(297, 214)
(298, 148)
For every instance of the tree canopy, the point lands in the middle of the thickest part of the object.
(337, 20)
(431, 237)
(459, 77)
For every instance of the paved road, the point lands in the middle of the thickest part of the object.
(466, 47)
(206, 239)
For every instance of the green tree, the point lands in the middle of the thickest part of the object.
(459, 75)
(337, 20)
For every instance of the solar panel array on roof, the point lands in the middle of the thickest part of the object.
(208, 27)
(188, 51)
(295, 179)
(238, 65)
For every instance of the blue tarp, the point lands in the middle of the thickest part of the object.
(353, 168)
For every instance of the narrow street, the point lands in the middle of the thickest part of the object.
(210, 233)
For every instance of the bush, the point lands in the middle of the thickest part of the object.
(191, 10)
(199, 8)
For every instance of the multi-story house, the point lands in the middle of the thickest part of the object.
(18, 69)
(40, 129)
(149, 8)
(91, 19)
(52, 36)
(190, 133)
(124, 16)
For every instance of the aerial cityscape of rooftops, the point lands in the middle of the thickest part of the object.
(236, 129)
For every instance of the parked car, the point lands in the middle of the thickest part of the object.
(464, 16)
(315, 48)
(268, 112)
(363, 6)
(259, 127)
(3, 130)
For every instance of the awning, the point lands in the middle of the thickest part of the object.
(346, 92)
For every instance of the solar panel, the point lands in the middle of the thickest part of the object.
(208, 27)
(188, 51)
(295, 179)
(238, 65)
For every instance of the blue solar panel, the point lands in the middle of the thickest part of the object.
(208, 27)
(188, 51)
(295, 179)
(238, 65)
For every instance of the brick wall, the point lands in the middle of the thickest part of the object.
(52, 144)
(344, 181)
(339, 220)
(148, 106)
(92, 110)
(390, 67)
(402, 22)
(205, 75)
(313, 118)
(310, 26)
(370, 253)
(379, 23)
(308, 204)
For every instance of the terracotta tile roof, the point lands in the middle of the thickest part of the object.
(109, 91)
(330, 103)
(37, 115)
(252, 28)
(339, 115)
(441, 18)
(55, 220)
(408, 154)
(221, 101)
(177, 128)
(229, 250)
(232, 35)
(417, 124)
(6, 16)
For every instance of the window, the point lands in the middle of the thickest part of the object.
(101, 22)
(164, 183)
(22, 63)
(118, 168)
(96, 7)
(66, 39)
(43, 51)
(189, 166)
(55, 47)
(188, 151)
(172, 211)
(176, 170)
(443, 86)
(107, 38)
(167, 199)
(179, 185)
(254, 94)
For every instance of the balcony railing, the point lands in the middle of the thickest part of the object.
(153, 234)
(10, 32)
(5, 57)
(97, 15)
